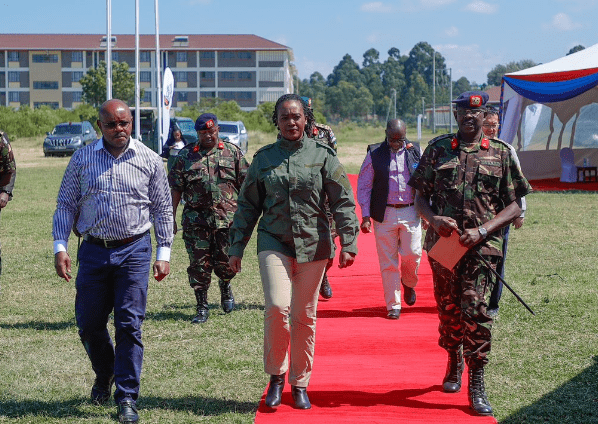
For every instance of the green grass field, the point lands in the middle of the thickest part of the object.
(542, 369)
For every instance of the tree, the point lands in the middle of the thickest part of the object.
(371, 57)
(93, 84)
(576, 49)
(461, 85)
(347, 100)
(496, 74)
(347, 70)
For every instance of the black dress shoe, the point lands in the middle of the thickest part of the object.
(409, 295)
(274, 394)
(101, 390)
(300, 397)
(325, 289)
(227, 300)
(393, 314)
(127, 412)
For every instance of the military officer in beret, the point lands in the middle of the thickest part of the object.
(471, 184)
(208, 175)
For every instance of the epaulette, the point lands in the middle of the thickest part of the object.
(440, 137)
(266, 147)
(321, 142)
(498, 140)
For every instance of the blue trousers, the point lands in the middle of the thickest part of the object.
(114, 280)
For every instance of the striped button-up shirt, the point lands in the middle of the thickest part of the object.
(114, 198)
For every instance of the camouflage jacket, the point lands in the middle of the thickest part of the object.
(471, 184)
(287, 184)
(209, 181)
(8, 167)
(325, 133)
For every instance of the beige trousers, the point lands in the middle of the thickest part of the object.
(291, 301)
(399, 234)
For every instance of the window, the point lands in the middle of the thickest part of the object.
(180, 76)
(207, 75)
(147, 96)
(13, 96)
(76, 56)
(183, 96)
(244, 95)
(208, 94)
(244, 75)
(77, 96)
(14, 76)
(13, 56)
(207, 55)
(228, 55)
(227, 95)
(228, 75)
(145, 56)
(244, 55)
(145, 76)
(181, 56)
(51, 105)
(45, 58)
(45, 85)
(115, 56)
(77, 75)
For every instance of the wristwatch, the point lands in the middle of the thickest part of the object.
(483, 232)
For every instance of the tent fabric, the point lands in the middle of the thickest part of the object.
(549, 107)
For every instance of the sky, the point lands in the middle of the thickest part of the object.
(472, 35)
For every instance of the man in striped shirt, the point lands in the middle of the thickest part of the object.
(112, 191)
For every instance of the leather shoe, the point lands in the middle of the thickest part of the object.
(409, 295)
(101, 390)
(393, 314)
(127, 412)
(325, 289)
(274, 394)
(300, 397)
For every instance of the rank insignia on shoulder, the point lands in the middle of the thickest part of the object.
(196, 148)
(221, 145)
(485, 143)
(454, 143)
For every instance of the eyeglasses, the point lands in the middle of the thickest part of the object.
(113, 125)
(494, 126)
(398, 140)
(474, 113)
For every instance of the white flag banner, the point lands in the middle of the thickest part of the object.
(167, 92)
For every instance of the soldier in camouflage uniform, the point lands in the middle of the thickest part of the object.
(8, 173)
(468, 183)
(208, 176)
(325, 134)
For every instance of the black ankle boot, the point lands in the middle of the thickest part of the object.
(300, 397)
(478, 401)
(325, 289)
(274, 394)
(454, 370)
(227, 301)
(202, 307)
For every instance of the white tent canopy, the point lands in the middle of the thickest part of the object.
(550, 107)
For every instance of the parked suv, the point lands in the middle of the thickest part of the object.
(235, 132)
(67, 137)
(187, 127)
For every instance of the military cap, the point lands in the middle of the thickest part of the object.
(206, 121)
(472, 100)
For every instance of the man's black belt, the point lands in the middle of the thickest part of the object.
(111, 244)
(400, 205)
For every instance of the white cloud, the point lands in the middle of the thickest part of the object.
(373, 38)
(562, 22)
(452, 31)
(376, 7)
(433, 4)
(479, 6)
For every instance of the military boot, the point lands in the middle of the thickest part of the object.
(202, 307)
(454, 370)
(227, 301)
(478, 401)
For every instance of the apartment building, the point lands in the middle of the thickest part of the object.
(45, 69)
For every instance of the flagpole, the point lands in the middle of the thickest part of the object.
(158, 80)
(137, 99)
(108, 49)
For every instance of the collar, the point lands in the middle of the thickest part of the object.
(291, 145)
(132, 144)
(482, 143)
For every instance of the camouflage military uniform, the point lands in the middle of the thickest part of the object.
(8, 170)
(209, 181)
(470, 184)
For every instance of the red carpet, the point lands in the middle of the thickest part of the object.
(368, 369)
(554, 184)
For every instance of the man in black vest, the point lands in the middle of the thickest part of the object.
(383, 194)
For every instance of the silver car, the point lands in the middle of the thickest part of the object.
(67, 137)
(235, 132)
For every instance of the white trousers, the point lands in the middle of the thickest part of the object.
(398, 235)
(290, 291)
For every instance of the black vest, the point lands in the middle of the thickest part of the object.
(380, 154)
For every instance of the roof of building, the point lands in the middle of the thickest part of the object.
(493, 95)
(146, 42)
